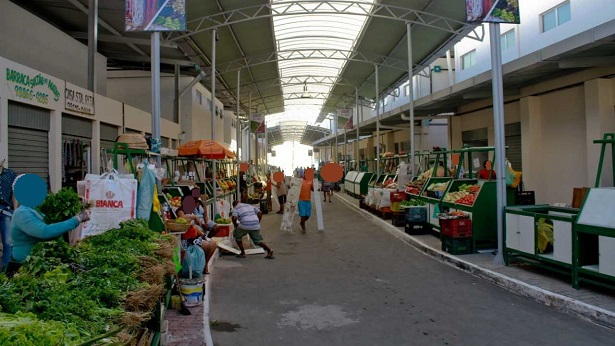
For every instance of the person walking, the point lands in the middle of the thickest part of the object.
(326, 189)
(305, 201)
(281, 188)
(249, 218)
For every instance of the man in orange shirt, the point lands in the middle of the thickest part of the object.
(305, 201)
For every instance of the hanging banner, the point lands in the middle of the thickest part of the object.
(348, 124)
(343, 114)
(155, 15)
(492, 11)
(79, 99)
(259, 118)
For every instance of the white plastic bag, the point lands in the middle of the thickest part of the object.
(113, 199)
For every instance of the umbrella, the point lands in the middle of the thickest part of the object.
(205, 148)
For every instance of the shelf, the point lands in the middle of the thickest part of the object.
(547, 255)
(592, 267)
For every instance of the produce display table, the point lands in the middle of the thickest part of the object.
(594, 239)
(361, 183)
(432, 198)
(349, 185)
(594, 232)
(542, 234)
(478, 198)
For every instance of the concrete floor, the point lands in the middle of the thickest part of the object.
(355, 284)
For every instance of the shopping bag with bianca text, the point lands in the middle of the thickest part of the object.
(113, 199)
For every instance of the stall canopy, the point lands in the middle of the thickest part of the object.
(207, 149)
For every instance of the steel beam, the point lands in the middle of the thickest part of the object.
(355, 8)
(105, 25)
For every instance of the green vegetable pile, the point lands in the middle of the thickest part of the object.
(73, 294)
(61, 206)
(414, 202)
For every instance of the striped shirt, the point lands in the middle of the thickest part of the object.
(247, 216)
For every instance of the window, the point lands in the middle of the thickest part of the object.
(208, 104)
(468, 60)
(508, 39)
(556, 16)
(407, 90)
(385, 100)
(199, 97)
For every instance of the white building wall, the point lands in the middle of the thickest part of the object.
(530, 38)
(135, 88)
(32, 42)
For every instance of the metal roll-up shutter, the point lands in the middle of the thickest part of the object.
(513, 142)
(108, 136)
(29, 139)
(75, 126)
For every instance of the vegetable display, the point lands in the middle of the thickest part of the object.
(222, 220)
(466, 195)
(414, 202)
(61, 206)
(107, 282)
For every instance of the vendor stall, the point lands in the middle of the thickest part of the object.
(593, 252)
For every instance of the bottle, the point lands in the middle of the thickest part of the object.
(165, 211)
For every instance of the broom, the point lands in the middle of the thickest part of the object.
(183, 309)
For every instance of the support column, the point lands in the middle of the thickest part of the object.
(213, 116)
(238, 134)
(155, 73)
(498, 124)
(92, 43)
(249, 127)
(357, 122)
(336, 157)
(531, 146)
(411, 99)
(377, 125)
(599, 119)
(176, 104)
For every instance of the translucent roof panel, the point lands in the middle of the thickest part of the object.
(315, 38)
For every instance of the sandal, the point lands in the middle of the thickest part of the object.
(241, 256)
(270, 256)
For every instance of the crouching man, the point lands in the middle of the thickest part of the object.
(249, 218)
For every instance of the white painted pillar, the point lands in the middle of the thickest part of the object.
(55, 150)
(531, 147)
(599, 119)
(95, 148)
(4, 130)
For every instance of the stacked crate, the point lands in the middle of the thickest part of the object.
(456, 236)
(416, 220)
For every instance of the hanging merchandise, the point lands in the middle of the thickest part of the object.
(146, 193)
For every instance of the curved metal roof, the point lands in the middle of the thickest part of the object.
(284, 41)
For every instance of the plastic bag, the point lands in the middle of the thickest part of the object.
(194, 259)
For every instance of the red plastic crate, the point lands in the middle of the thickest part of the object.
(224, 231)
(456, 228)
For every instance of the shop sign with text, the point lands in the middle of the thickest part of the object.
(30, 86)
(79, 99)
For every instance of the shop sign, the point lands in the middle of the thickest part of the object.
(30, 86)
(79, 99)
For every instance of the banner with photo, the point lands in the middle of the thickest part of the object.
(155, 15)
(492, 11)
(343, 115)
